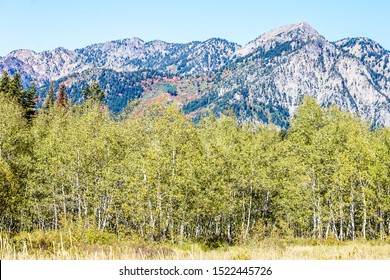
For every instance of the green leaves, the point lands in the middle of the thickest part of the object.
(14, 161)
(94, 93)
(155, 174)
(50, 99)
(12, 90)
(341, 160)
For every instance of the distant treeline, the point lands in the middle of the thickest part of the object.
(152, 173)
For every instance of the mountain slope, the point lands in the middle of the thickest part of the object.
(279, 68)
(265, 80)
(127, 55)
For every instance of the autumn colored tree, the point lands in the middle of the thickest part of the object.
(62, 98)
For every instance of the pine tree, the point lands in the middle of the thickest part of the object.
(87, 93)
(29, 101)
(50, 98)
(94, 93)
(4, 83)
(16, 90)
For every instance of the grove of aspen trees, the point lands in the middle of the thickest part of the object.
(151, 172)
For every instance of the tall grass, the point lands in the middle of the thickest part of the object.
(93, 245)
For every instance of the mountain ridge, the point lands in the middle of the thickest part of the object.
(275, 70)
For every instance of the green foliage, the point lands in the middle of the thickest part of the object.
(5, 83)
(14, 162)
(15, 89)
(120, 87)
(169, 88)
(199, 103)
(12, 90)
(50, 98)
(154, 175)
(29, 102)
(94, 93)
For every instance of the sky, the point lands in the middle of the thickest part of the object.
(46, 24)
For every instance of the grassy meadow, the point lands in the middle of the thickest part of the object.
(92, 245)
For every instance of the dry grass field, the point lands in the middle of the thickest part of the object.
(61, 246)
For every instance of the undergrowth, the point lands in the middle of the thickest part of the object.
(76, 242)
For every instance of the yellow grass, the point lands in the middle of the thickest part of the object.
(64, 248)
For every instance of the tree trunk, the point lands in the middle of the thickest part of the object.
(249, 213)
(364, 216)
(352, 215)
(64, 201)
(319, 218)
(341, 234)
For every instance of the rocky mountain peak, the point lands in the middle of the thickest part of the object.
(291, 31)
(265, 80)
(22, 54)
(301, 31)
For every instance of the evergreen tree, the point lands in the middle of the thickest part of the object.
(4, 83)
(94, 93)
(16, 90)
(30, 101)
(50, 98)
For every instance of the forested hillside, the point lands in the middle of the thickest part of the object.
(152, 173)
(263, 81)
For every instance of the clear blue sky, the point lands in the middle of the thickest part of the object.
(44, 24)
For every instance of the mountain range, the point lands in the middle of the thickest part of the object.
(265, 80)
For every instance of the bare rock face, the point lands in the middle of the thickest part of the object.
(280, 67)
(264, 80)
(126, 55)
